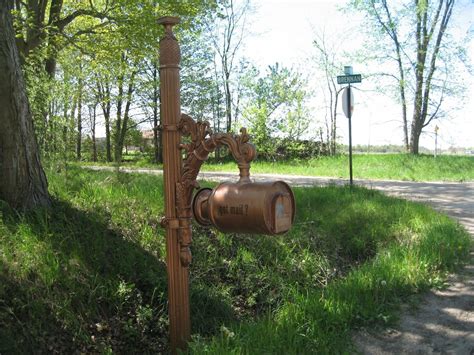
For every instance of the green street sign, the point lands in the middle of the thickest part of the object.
(349, 79)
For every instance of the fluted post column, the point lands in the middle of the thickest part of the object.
(178, 279)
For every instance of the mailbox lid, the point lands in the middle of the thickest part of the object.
(280, 213)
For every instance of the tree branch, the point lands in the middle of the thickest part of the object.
(62, 23)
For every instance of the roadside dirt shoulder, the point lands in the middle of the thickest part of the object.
(443, 323)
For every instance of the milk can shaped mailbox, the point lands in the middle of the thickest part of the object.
(246, 207)
(241, 207)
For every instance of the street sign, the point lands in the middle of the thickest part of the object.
(348, 105)
(349, 79)
(345, 103)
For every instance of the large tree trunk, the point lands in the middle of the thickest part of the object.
(424, 34)
(415, 136)
(23, 182)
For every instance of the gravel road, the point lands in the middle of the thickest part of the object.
(443, 323)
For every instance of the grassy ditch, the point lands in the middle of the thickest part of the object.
(89, 274)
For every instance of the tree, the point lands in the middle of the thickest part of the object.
(134, 138)
(79, 115)
(123, 118)
(23, 182)
(328, 63)
(417, 57)
(53, 34)
(428, 43)
(387, 20)
(227, 35)
(93, 126)
(275, 106)
(43, 22)
(104, 97)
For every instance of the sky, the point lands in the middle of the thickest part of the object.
(283, 30)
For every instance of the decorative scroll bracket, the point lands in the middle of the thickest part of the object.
(203, 142)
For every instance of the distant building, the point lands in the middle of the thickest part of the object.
(148, 137)
(148, 134)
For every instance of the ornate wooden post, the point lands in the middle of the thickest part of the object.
(253, 208)
(178, 283)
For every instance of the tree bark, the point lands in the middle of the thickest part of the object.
(392, 32)
(93, 128)
(126, 116)
(103, 91)
(23, 183)
(122, 123)
(79, 121)
(424, 34)
(108, 145)
(54, 15)
(118, 121)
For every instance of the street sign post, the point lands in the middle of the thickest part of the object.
(348, 105)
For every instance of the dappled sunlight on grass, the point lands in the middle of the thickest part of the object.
(90, 274)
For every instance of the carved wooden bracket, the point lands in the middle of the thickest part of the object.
(203, 142)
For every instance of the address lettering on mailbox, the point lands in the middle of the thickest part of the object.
(241, 210)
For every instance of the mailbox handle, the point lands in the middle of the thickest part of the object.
(203, 142)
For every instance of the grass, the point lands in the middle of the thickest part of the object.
(366, 166)
(90, 275)
(370, 166)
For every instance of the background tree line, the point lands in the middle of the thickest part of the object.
(91, 68)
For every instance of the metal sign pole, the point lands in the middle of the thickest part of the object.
(178, 279)
(349, 116)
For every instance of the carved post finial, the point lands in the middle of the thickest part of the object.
(168, 22)
(170, 54)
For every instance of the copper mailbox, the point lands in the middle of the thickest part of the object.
(246, 207)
